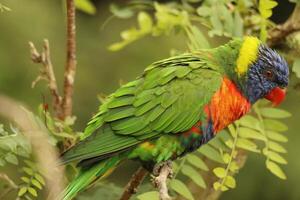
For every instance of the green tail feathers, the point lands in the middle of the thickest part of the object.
(87, 176)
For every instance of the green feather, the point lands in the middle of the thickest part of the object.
(146, 107)
(121, 101)
(119, 113)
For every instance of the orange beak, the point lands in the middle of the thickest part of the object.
(276, 96)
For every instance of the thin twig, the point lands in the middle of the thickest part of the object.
(12, 185)
(47, 73)
(70, 67)
(10, 182)
(132, 186)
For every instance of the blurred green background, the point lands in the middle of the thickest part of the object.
(100, 72)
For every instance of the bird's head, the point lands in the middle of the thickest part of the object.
(263, 71)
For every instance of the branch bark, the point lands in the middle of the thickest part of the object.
(62, 106)
(160, 181)
(70, 67)
(278, 34)
(132, 186)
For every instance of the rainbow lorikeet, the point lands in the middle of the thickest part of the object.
(177, 105)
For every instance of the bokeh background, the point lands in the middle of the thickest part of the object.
(100, 72)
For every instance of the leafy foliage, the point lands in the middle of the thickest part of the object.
(59, 129)
(296, 67)
(16, 150)
(12, 145)
(265, 9)
(32, 181)
(167, 20)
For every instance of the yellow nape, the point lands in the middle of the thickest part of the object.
(248, 54)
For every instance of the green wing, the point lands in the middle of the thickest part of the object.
(168, 98)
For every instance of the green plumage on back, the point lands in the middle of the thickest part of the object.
(143, 118)
(169, 91)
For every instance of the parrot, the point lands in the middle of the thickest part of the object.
(177, 105)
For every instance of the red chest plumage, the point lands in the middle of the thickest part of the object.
(227, 105)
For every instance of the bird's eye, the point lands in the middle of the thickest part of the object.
(269, 74)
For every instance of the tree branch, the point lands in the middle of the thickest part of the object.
(70, 67)
(165, 171)
(278, 34)
(10, 182)
(47, 73)
(132, 186)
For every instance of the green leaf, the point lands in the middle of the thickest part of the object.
(276, 136)
(250, 122)
(275, 169)
(218, 143)
(193, 175)
(179, 187)
(226, 158)
(229, 143)
(296, 67)
(265, 8)
(275, 157)
(238, 25)
(11, 158)
(220, 172)
(277, 147)
(22, 191)
(218, 186)
(2, 162)
(145, 22)
(204, 11)
(39, 178)
(36, 184)
(197, 162)
(32, 191)
(30, 164)
(121, 12)
(233, 167)
(4, 8)
(25, 179)
(232, 130)
(198, 38)
(230, 182)
(86, 6)
(193, 1)
(275, 125)
(247, 145)
(211, 153)
(274, 113)
(153, 195)
(224, 136)
(28, 171)
(217, 26)
(249, 133)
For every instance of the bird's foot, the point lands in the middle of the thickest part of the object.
(162, 171)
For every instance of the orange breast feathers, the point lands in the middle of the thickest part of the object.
(227, 105)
